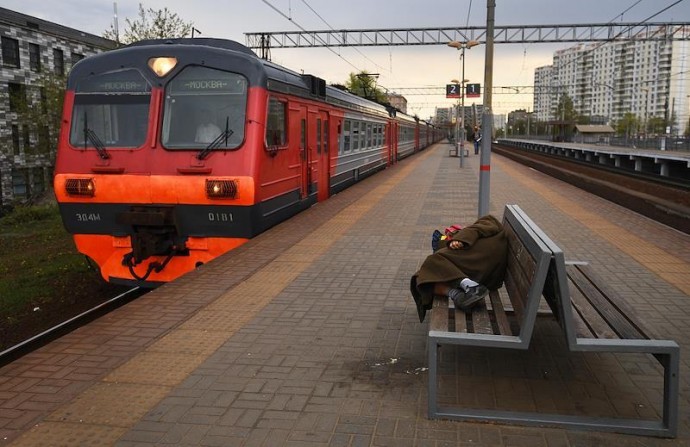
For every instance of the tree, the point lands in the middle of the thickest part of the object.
(656, 126)
(151, 24)
(364, 84)
(565, 110)
(38, 109)
(567, 115)
(34, 123)
(627, 125)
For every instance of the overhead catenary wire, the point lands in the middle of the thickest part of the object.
(333, 29)
(618, 34)
(303, 29)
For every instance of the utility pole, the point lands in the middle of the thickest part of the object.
(487, 116)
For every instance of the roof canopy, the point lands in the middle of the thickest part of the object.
(594, 128)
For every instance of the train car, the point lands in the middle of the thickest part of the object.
(173, 152)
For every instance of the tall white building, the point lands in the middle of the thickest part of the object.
(542, 96)
(605, 81)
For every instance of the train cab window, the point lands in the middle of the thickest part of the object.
(111, 110)
(204, 109)
(276, 134)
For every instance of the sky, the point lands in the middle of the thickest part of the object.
(398, 67)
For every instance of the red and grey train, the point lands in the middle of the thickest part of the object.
(151, 192)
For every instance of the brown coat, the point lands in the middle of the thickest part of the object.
(482, 259)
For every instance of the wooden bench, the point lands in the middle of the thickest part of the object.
(591, 315)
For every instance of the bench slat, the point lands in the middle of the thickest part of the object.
(460, 321)
(598, 309)
(596, 326)
(481, 322)
(619, 303)
(582, 330)
(520, 272)
(439, 314)
(499, 313)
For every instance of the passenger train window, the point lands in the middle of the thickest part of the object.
(346, 136)
(111, 109)
(276, 134)
(362, 135)
(204, 108)
(355, 135)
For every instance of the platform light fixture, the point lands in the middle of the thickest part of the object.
(460, 126)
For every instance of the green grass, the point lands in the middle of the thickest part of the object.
(37, 254)
(43, 279)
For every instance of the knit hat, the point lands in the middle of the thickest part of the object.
(452, 229)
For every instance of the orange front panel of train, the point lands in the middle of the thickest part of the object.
(162, 189)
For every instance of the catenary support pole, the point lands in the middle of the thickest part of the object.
(487, 116)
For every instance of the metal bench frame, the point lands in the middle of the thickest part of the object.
(550, 278)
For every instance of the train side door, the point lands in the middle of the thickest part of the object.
(323, 151)
(318, 153)
(305, 155)
(393, 140)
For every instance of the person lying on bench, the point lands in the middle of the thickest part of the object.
(472, 262)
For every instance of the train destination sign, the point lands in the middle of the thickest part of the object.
(224, 85)
(121, 82)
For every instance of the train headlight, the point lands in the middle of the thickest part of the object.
(83, 187)
(162, 65)
(221, 189)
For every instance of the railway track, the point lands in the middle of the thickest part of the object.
(14, 352)
(664, 201)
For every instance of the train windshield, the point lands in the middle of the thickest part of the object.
(205, 109)
(111, 110)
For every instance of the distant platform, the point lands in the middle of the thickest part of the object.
(665, 163)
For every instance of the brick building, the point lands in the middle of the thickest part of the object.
(32, 49)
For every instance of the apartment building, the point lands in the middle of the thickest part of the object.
(542, 97)
(607, 80)
(32, 49)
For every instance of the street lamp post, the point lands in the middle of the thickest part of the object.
(461, 122)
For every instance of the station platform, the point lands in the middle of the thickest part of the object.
(671, 163)
(668, 153)
(308, 336)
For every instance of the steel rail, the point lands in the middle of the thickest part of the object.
(13, 352)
